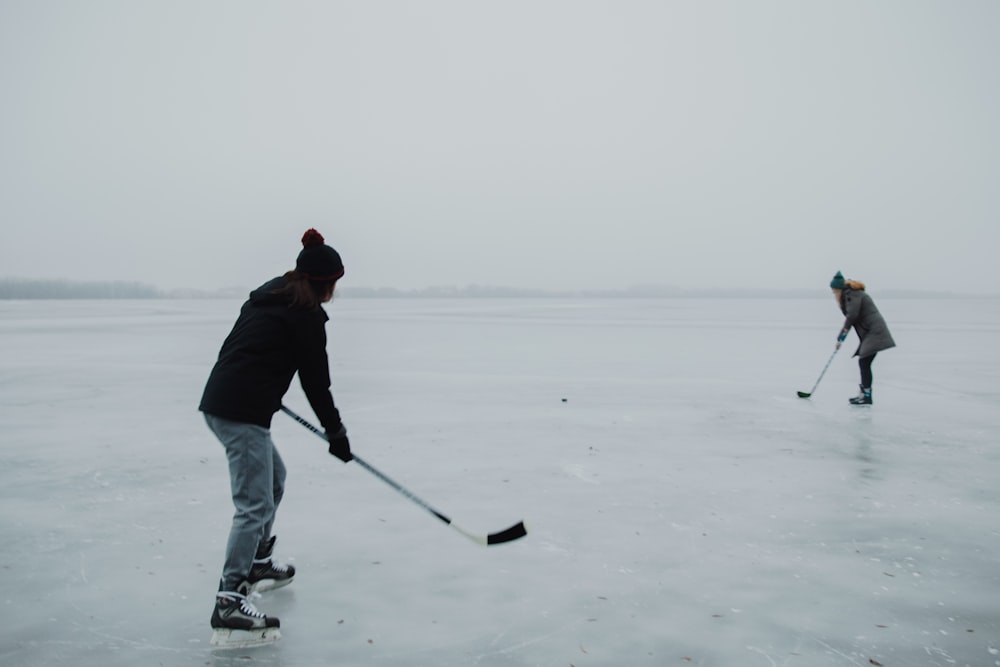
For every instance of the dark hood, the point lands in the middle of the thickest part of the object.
(266, 295)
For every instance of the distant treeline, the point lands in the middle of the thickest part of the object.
(20, 288)
(16, 288)
(637, 292)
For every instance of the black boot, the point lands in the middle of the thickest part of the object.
(863, 398)
(265, 574)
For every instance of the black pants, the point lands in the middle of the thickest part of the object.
(865, 363)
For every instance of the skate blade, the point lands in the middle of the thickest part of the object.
(265, 585)
(223, 638)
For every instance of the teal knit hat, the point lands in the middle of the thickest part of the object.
(838, 281)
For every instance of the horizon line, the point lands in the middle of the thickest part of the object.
(26, 288)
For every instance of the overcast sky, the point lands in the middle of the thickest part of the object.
(552, 144)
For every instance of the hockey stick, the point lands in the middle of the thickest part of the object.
(803, 394)
(515, 532)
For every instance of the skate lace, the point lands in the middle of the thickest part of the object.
(246, 606)
(283, 569)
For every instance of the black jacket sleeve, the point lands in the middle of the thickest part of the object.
(313, 367)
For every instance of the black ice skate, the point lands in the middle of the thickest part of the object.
(236, 623)
(863, 398)
(265, 575)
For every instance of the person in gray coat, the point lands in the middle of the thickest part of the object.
(873, 333)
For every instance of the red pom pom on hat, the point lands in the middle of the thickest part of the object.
(311, 238)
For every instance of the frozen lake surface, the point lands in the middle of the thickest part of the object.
(684, 507)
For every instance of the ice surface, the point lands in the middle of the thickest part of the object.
(684, 506)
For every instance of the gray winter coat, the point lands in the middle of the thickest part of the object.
(861, 313)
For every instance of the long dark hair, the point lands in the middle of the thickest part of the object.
(306, 294)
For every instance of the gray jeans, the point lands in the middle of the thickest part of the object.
(257, 480)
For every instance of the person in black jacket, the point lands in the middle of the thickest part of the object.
(280, 331)
(873, 333)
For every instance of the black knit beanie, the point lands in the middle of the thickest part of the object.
(317, 260)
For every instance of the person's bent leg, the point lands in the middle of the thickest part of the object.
(277, 488)
(864, 396)
(266, 573)
(251, 470)
(865, 364)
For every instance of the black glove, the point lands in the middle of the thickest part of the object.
(340, 446)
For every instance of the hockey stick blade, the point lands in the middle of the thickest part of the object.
(803, 394)
(515, 532)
